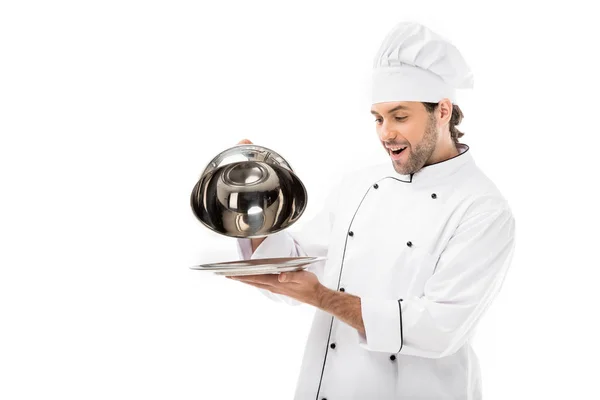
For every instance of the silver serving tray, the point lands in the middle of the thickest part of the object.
(259, 266)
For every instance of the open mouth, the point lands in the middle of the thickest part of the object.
(397, 153)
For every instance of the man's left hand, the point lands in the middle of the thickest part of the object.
(303, 286)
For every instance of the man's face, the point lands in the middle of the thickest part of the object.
(408, 125)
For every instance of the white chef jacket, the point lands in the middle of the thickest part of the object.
(426, 253)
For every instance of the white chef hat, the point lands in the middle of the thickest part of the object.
(416, 64)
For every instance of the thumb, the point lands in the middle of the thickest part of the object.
(283, 277)
(244, 141)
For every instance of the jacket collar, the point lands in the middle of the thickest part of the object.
(437, 171)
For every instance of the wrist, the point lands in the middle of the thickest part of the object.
(322, 296)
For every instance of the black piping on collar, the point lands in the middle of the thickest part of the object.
(460, 153)
(402, 180)
(429, 165)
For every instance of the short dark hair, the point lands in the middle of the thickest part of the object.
(455, 119)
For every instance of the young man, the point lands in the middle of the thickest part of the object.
(416, 249)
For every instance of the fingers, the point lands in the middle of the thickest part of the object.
(245, 141)
(261, 286)
(270, 288)
(267, 279)
(291, 277)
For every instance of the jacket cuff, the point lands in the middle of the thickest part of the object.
(244, 249)
(382, 320)
(280, 244)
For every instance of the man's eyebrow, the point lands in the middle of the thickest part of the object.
(400, 107)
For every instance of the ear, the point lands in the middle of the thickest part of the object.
(444, 111)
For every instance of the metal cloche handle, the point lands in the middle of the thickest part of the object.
(254, 153)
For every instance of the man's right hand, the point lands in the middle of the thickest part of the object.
(255, 242)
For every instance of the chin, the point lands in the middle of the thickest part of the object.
(400, 168)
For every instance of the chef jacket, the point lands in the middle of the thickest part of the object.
(426, 253)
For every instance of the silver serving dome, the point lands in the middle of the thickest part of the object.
(248, 191)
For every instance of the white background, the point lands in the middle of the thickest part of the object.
(110, 110)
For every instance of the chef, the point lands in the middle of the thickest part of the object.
(417, 247)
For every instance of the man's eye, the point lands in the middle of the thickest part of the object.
(378, 120)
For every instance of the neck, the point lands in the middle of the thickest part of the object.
(443, 153)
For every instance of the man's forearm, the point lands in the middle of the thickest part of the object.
(344, 306)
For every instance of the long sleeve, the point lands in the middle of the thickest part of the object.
(303, 239)
(280, 244)
(467, 276)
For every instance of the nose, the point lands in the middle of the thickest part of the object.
(386, 132)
